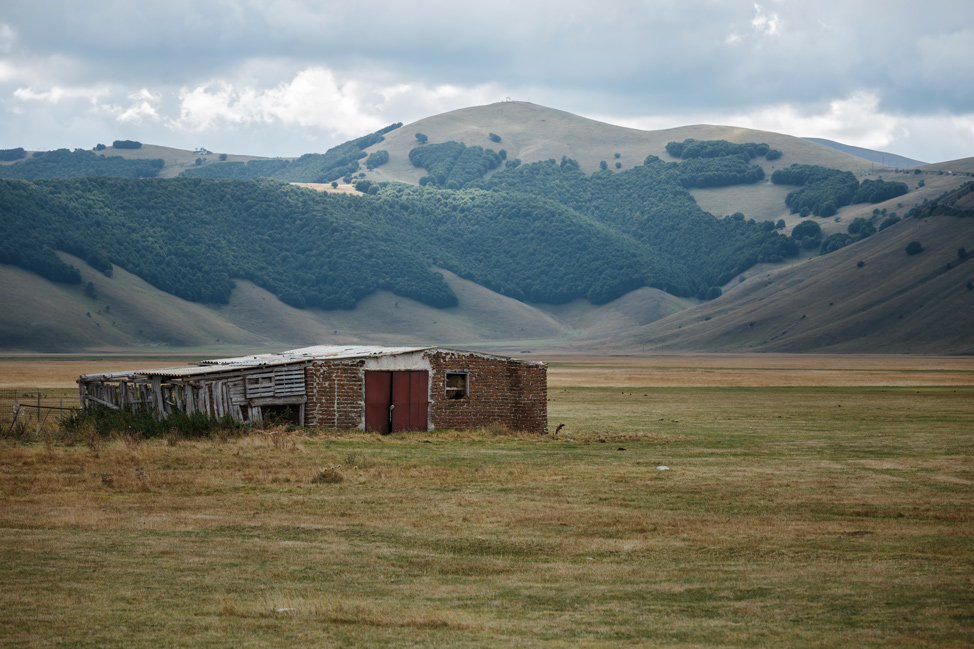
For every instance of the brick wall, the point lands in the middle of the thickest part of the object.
(336, 393)
(508, 392)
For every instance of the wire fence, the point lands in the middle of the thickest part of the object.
(32, 409)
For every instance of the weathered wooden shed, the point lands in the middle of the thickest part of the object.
(385, 389)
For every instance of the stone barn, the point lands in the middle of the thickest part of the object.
(384, 389)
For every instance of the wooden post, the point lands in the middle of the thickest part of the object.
(157, 393)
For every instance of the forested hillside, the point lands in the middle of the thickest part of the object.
(338, 162)
(543, 232)
(63, 163)
(493, 198)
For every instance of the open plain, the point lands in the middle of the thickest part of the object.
(684, 501)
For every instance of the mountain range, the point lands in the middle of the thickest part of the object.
(570, 236)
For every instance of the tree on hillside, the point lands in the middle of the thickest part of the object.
(808, 234)
(8, 155)
(835, 242)
(888, 221)
(422, 138)
(377, 159)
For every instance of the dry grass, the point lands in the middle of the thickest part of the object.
(803, 515)
(761, 370)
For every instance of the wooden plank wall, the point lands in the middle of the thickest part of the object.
(216, 396)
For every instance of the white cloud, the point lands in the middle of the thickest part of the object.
(855, 120)
(316, 98)
(765, 24)
(140, 109)
(58, 93)
(964, 123)
(8, 72)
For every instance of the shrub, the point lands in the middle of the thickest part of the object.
(806, 229)
(888, 221)
(422, 138)
(377, 159)
(835, 242)
(329, 475)
(108, 421)
(914, 248)
(363, 186)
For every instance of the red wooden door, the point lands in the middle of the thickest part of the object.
(396, 401)
(378, 398)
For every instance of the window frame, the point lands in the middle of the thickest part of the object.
(449, 391)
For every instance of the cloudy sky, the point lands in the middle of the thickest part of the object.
(286, 77)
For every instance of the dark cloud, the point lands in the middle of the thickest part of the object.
(631, 60)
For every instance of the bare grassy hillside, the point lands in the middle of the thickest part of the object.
(128, 313)
(891, 302)
(531, 133)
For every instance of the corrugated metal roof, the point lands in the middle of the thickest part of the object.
(219, 365)
(316, 352)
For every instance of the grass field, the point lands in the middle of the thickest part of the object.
(808, 501)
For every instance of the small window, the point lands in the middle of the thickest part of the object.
(456, 385)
